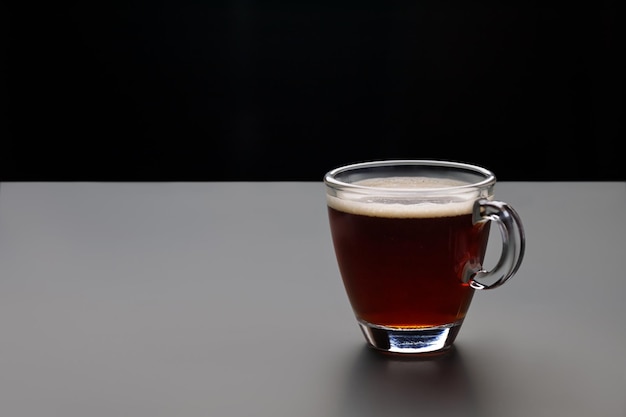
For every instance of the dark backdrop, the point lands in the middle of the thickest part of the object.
(264, 90)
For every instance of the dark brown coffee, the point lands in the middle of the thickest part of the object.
(402, 264)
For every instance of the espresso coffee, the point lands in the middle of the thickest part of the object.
(410, 237)
(402, 262)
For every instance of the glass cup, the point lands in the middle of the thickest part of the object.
(410, 238)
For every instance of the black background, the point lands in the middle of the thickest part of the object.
(263, 90)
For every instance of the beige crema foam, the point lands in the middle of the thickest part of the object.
(413, 208)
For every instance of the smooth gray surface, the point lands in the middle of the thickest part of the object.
(224, 299)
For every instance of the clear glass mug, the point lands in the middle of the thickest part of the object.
(410, 238)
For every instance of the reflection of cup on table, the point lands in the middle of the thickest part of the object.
(401, 385)
(410, 238)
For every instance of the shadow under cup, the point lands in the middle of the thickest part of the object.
(410, 238)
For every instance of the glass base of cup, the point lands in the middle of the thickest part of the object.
(425, 340)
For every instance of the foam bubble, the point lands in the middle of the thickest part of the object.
(418, 183)
(437, 206)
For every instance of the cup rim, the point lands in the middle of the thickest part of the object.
(331, 180)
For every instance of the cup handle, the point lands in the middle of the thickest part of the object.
(513, 244)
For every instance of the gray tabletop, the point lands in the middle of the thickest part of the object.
(224, 299)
